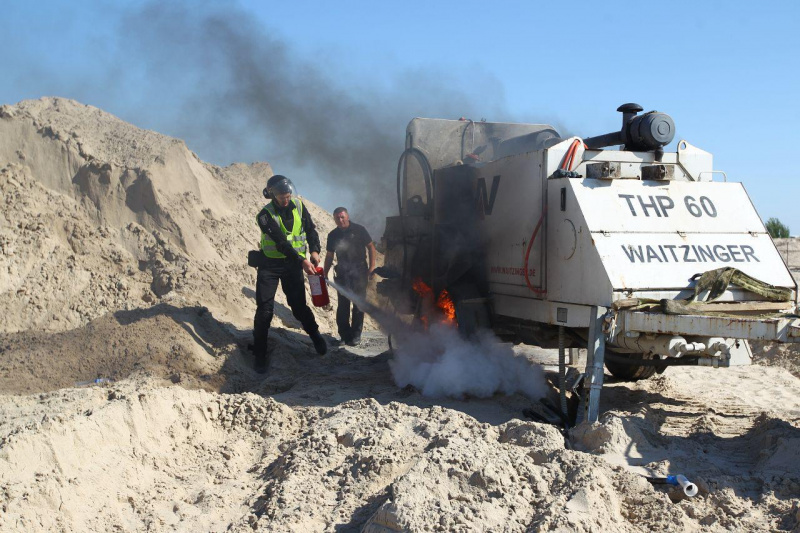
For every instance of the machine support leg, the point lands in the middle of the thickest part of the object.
(595, 358)
(562, 376)
(572, 355)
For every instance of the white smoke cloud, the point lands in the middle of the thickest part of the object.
(440, 362)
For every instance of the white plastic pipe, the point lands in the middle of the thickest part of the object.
(689, 488)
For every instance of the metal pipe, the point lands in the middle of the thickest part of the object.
(714, 362)
(562, 375)
(601, 141)
(691, 347)
(595, 358)
(669, 345)
(717, 345)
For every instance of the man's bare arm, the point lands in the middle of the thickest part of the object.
(372, 254)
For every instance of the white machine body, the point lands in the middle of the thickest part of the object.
(542, 238)
(605, 239)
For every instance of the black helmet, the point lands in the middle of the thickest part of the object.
(278, 184)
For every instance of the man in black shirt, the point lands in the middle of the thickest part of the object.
(348, 242)
(290, 245)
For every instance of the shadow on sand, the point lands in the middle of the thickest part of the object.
(299, 377)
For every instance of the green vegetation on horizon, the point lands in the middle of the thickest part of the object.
(777, 229)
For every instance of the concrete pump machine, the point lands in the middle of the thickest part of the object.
(646, 258)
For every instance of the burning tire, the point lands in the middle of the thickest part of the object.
(625, 367)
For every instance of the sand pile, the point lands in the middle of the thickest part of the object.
(122, 256)
(735, 431)
(101, 216)
(102, 219)
(135, 457)
(782, 355)
(345, 451)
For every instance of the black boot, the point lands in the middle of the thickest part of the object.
(261, 363)
(260, 352)
(319, 343)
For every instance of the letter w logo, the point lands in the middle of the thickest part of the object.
(486, 201)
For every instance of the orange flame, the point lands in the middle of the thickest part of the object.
(421, 288)
(444, 303)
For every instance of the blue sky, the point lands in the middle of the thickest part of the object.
(727, 72)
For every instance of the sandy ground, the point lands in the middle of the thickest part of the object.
(783, 355)
(122, 258)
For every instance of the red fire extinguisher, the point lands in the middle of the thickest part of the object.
(319, 289)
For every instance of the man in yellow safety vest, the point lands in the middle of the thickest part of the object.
(290, 245)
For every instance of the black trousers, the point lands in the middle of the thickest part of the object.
(290, 274)
(356, 282)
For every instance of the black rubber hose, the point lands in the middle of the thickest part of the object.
(426, 174)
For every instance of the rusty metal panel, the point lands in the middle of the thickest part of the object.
(658, 172)
(630, 163)
(765, 329)
(606, 170)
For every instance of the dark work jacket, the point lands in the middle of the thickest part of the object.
(271, 228)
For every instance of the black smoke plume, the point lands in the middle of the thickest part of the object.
(238, 90)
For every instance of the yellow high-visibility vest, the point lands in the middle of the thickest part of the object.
(297, 237)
